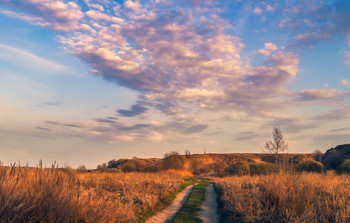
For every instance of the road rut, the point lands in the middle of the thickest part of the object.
(169, 213)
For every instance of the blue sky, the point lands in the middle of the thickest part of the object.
(84, 82)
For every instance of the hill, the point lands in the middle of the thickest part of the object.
(200, 163)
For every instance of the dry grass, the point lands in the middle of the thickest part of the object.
(61, 195)
(285, 197)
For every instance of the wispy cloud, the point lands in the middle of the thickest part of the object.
(195, 129)
(13, 54)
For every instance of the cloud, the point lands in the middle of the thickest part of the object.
(316, 21)
(126, 138)
(171, 58)
(54, 14)
(134, 127)
(258, 11)
(269, 8)
(73, 125)
(335, 115)
(346, 82)
(156, 136)
(43, 128)
(105, 120)
(327, 141)
(269, 47)
(339, 130)
(134, 111)
(292, 124)
(346, 56)
(246, 136)
(179, 63)
(317, 96)
(195, 129)
(14, 54)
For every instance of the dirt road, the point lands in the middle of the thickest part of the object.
(209, 213)
(168, 214)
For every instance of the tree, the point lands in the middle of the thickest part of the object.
(317, 155)
(82, 168)
(187, 153)
(277, 145)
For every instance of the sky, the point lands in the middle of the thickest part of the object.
(88, 81)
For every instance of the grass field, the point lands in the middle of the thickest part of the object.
(285, 197)
(68, 195)
(62, 195)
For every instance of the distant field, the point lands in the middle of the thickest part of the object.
(285, 197)
(63, 195)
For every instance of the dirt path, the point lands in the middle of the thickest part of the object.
(168, 214)
(209, 213)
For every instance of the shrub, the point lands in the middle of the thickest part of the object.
(173, 162)
(238, 168)
(151, 169)
(195, 165)
(344, 167)
(129, 167)
(310, 166)
(262, 168)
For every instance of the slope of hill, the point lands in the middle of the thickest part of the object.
(200, 163)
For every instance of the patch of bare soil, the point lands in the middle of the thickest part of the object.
(209, 213)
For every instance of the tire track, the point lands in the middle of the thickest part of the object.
(169, 213)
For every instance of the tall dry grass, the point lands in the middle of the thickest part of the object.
(61, 195)
(285, 197)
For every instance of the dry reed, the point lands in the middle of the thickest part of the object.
(285, 197)
(62, 195)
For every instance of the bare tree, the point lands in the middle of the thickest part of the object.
(187, 153)
(277, 145)
(317, 155)
(82, 168)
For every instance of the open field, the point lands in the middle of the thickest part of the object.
(285, 197)
(63, 195)
(253, 190)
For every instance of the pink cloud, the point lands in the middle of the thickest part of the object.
(56, 14)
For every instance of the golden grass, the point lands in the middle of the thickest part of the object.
(285, 197)
(61, 195)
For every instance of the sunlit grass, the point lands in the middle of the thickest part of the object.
(285, 197)
(63, 195)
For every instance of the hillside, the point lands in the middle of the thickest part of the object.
(200, 163)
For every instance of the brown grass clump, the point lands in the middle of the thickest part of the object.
(62, 195)
(285, 197)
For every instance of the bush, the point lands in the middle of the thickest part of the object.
(151, 169)
(262, 168)
(238, 168)
(129, 167)
(310, 166)
(344, 167)
(173, 162)
(195, 165)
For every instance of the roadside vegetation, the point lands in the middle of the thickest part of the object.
(67, 195)
(285, 197)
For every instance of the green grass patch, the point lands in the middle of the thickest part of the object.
(165, 202)
(189, 212)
